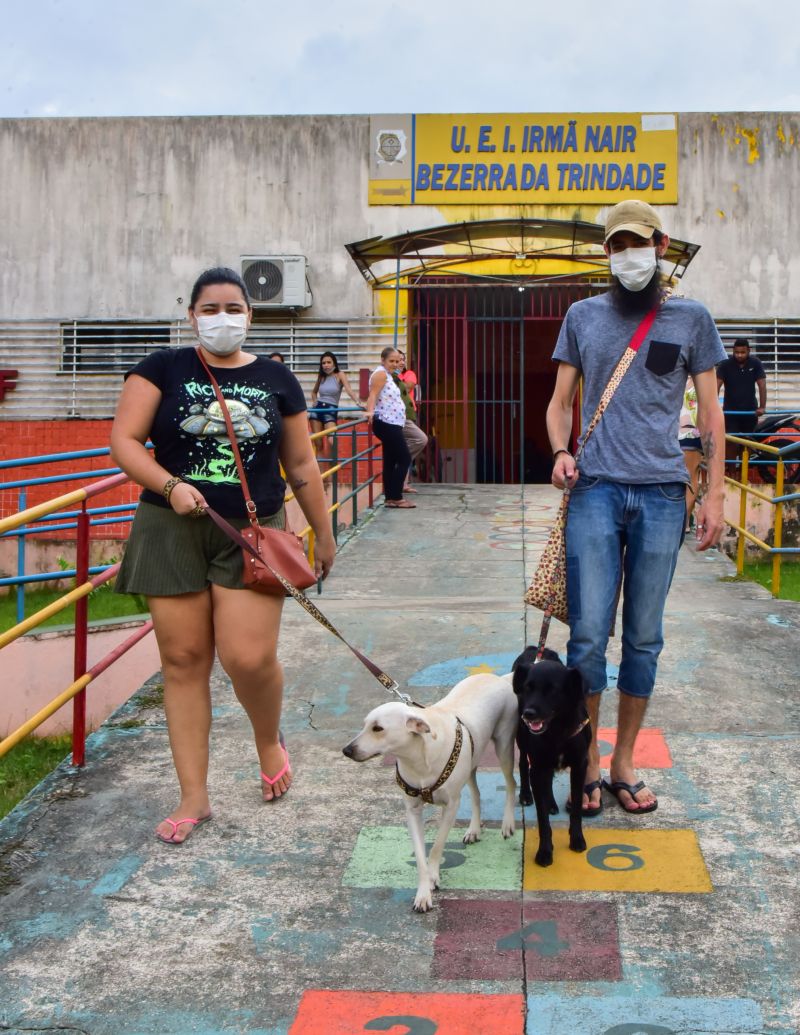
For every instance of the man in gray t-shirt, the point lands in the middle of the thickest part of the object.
(627, 501)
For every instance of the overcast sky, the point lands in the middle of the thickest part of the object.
(262, 57)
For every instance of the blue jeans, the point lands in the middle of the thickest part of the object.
(629, 536)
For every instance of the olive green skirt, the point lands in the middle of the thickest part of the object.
(168, 553)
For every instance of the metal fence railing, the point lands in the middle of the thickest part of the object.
(779, 458)
(350, 471)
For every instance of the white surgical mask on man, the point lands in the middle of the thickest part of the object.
(634, 267)
(222, 333)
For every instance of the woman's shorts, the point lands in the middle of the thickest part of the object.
(325, 413)
(691, 445)
(168, 553)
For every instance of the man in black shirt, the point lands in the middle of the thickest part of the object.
(739, 377)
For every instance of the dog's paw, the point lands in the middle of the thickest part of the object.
(544, 857)
(508, 829)
(553, 809)
(423, 902)
(577, 843)
(471, 836)
(525, 798)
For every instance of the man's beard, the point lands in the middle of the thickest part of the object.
(631, 302)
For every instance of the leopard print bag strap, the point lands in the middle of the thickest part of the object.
(548, 588)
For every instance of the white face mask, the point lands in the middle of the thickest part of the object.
(634, 267)
(223, 333)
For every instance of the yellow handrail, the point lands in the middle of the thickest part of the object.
(49, 507)
(745, 490)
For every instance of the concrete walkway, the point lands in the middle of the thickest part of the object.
(297, 917)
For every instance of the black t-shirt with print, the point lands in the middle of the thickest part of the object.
(190, 436)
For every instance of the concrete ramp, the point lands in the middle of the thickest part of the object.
(296, 917)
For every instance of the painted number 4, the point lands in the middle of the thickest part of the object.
(541, 937)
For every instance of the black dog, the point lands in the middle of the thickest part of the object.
(553, 733)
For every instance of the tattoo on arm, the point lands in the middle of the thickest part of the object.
(709, 446)
(301, 484)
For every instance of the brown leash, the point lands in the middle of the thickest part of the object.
(386, 681)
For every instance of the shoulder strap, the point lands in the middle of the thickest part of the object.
(248, 501)
(620, 370)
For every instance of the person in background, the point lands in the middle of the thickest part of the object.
(415, 437)
(325, 396)
(627, 507)
(692, 446)
(387, 416)
(189, 570)
(739, 376)
(277, 356)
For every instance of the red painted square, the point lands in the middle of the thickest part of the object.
(650, 750)
(355, 1013)
(553, 941)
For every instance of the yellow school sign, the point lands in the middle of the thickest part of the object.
(523, 159)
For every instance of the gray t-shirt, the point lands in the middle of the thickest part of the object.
(636, 440)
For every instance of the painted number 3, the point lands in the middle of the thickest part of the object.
(616, 858)
(409, 1025)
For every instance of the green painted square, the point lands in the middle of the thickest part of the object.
(383, 858)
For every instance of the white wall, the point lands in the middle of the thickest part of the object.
(113, 218)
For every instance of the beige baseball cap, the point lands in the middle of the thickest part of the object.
(636, 216)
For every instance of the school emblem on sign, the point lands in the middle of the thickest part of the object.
(391, 146)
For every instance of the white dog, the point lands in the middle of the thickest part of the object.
(438, 749)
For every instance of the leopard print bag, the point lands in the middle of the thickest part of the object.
(548, 588)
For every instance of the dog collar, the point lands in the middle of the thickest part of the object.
(582, 726)
(426, 793)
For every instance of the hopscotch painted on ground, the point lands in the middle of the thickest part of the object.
(549, 940)
(509, 532)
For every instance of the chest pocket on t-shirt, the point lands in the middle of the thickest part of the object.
(662, 357)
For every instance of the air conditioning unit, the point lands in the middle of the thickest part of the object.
(276, 281)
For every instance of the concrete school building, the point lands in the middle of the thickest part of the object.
(463, 237)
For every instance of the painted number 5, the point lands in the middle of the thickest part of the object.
(611, 857)
(411, 1025)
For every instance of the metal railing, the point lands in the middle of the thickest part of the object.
(777, 550)
(352, 446)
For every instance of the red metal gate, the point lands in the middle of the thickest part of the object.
(482, 354)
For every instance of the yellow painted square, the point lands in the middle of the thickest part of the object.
(619, 860)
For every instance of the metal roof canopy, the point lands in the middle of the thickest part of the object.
(417, 252)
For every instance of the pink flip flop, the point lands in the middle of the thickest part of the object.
(175, 823)
(272, 780)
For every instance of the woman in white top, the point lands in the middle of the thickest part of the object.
(325, 397)
(386, 413)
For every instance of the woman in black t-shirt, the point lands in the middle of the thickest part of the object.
(189, 570)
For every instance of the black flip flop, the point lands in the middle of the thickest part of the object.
(590, 811)
(632, 789)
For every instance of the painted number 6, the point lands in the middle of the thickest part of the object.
(412, 1025)
(601, 855)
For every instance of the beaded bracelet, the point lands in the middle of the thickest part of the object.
(169, 486)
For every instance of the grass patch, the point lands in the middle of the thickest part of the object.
(28, 763)
(103, 603)
(761, 572)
